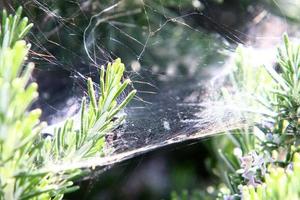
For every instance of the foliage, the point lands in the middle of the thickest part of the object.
(279, 184)
(255, 156)
(24, 154)
(13, 28)
(97, 118)
(257, 171)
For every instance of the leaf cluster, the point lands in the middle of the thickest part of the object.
(24, 153)
(259, 169)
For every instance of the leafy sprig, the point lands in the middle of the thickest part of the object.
(24, 153)
(262, 168)
(13, 28)
(96, 119)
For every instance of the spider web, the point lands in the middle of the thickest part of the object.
(171, 55)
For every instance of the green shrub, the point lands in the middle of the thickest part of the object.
(25, 156)
(259, 171)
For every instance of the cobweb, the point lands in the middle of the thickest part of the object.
(172, 56)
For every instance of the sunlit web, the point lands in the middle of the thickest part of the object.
(171, 56)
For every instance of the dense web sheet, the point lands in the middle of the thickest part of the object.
(171, 57)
